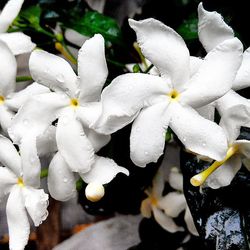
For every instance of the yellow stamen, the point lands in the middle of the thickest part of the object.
(20, 182)
(74, 102)
(1, 99)
(64, 52)
(200, 178)
(138, 50)
(153, 201)
(174, 95)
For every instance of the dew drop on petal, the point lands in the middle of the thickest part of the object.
(65, 180)
(60, 78)
(146, 153)
(25, 122)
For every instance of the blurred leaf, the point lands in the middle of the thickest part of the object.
(189, 29)
(93, 22)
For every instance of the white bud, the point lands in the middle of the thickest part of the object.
(94, 191)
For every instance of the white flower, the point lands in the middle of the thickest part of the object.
(18, 42)
(20, 178)
(221, 173)
(9, 100)
(158, 102)
(74, 103)
(212, 31)
(167, 207)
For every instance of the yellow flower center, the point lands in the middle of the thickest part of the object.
(174, 95)
(20, 182)
(74, 102)
(153, 201)
(1, 99)
(200, 178)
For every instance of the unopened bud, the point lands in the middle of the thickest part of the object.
(94, 191)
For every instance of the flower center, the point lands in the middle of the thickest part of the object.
(200, 178)
(153, 201)
(74, 102)
(1, 99)
(174, 95)
(20, 182)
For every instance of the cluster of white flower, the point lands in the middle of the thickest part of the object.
(70, 117)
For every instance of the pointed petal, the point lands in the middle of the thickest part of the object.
(31, 165)
(233, 119)
(147, 138)
(146, 209)
(244, 147)
(37, 114)
(243, 75)
(172, 204)
(125, 96)
(92, 68)
(61, 180)
(195, 63)
(36, 203)
(215, 76)
(8, 68)
(9, 13)
(46, 143)
(165, 221)
(18, 223)
(190, 222)
(16, 100)
(224, 174)
(176, 179)
(73, 144)
(9, 156)
(18, 42)
(7, 180)
(53, 72)
(246, 163)
(6, 117)
(199, 135)
(207, 111)
(158, 184)
(103, 171)
(164, 48)
(212, 29)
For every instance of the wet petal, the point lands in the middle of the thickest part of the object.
(7, 180)
(6, 117)
(103, 171)
(164, 48)
(61, 180)
(92, 68)
(244, 147)
(146, 209)
(176, 179)
(190, 222)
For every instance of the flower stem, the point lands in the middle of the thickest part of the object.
(44, 173)
(23, 78)
(200, 178)
(65, 52)
(138, 49)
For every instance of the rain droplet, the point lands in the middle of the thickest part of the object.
(65, 180)
(146, 153)
(60, 78)
(184, 139)
(25, 122)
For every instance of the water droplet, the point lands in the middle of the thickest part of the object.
(65, 180)
(25, 122)
(204, 144)
(184, 139)
(146, 153)
(60, 78)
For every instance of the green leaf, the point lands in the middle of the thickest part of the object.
(94, 22)
(189, 29)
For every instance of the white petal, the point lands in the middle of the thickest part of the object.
(75, 37)
(190, 222)
(103, 171)
(195, 63)
(9, 156)
(176, 179)
(31, 165)
(92, 68)
(207, 111)
(199, 135)
(18, 223)
(224, 174)
(61, 180)
(53, 72)
(246, 163)
(233, 119)
(7, 180)
(164, 48)
(242, 79)
(158, 184)
(18, 42)
(9, 13)
(146, 209)
(244, 147)
(172, 204)
(73, 144)
(97, 5)
(147, 138)
(212, 29)
(229, 100)
(6, 117)
(36, 203)
(37, 114)
(46, 143)
(8, 68)
(165, 221)
(215, 76)
(125, 96)
(16, 100)
(97, 140)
